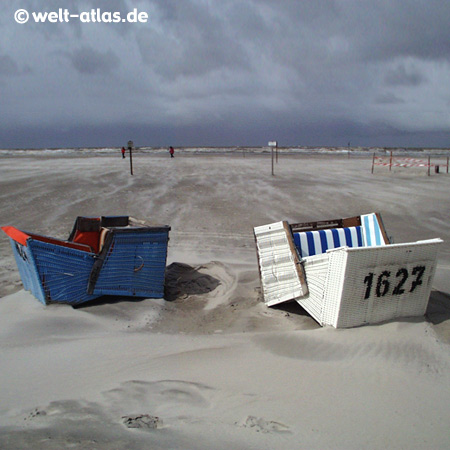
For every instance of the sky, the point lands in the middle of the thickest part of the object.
(226, 73)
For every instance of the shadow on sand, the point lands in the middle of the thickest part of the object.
(181, 281)
(438, 310)
(292, 308)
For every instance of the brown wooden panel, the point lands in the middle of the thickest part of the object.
(298, 264)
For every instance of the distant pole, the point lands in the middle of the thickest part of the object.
(272, 145)
(373, 161)
(429, 164)
(447, 164)
(130, 147)
(390, 162)
(272, 163)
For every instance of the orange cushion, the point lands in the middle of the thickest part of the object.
(90, 238)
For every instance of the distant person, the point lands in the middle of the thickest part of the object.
(171, 151)
(123, 152)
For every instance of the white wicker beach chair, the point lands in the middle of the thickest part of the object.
(347, 276)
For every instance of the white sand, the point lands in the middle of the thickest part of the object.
(218, 368)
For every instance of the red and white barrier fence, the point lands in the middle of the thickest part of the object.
(391, 161)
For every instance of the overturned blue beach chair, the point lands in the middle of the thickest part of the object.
(111, 255)
(345, 272)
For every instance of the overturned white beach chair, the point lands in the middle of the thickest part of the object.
(345, 272)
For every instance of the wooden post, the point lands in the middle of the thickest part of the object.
(447, 164)
(276, 153)
(130, 147)
(131, 161)
(390, 162)
(429, 164)
(373, 161)
(273, 144)
(272, 163)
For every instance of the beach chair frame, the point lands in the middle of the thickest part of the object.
(109, 255)
(365, 280)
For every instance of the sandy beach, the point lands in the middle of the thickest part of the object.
(210, 366)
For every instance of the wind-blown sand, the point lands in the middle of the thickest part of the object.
(211, 366)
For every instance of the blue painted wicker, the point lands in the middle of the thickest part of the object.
(135, 264)
(27, 270)
(63, 272)
(131, 262)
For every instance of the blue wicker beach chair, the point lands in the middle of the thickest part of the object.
(103, 256)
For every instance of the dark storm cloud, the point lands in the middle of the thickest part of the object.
(388, 98)
(189, 40)
(89, 61)
(412, 28)
(402, 76)
(303, 72)
(9, 67)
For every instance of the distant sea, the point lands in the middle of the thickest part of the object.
(360, 151)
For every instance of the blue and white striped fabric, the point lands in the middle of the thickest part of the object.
(311, 243)
(371, 230)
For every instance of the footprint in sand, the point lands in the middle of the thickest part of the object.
(259, 424)
(158, 394)
(142, 421)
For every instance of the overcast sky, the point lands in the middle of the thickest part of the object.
(228, 72)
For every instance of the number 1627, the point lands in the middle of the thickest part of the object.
(385, 280)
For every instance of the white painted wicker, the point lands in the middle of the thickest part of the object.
(316, 269)
(347, 286)
(370, 284)
(278, 264)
